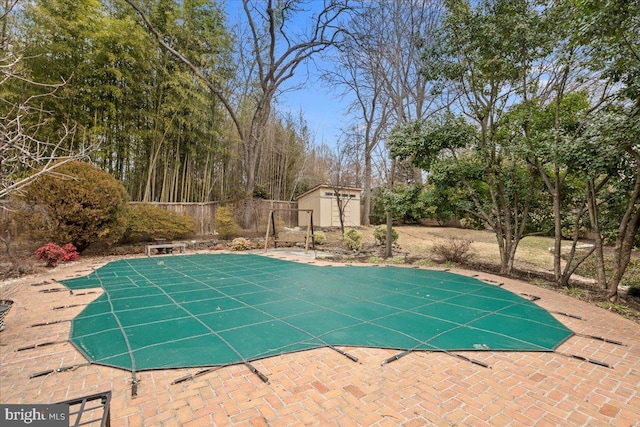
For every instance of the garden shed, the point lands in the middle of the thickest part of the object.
(323, 200)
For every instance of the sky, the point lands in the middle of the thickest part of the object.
(322, 107)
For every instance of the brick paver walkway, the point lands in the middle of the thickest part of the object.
(322, 387)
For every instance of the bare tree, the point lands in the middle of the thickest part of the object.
(359, 73)
(342, 177)
(23, 156)
(379, 67)
(399, 31)
(273, 52)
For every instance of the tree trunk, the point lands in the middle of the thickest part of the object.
(367, 190)
(389, 242)
(593, 216)
(627, 232)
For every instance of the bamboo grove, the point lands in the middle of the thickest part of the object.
(92, 72)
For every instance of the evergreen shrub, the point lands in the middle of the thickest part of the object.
(146, 222)
(352, 239)
(380, 234)
(226, 226)
(319, 238)
(80, 203)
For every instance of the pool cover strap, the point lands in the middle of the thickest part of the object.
(585, 359)
(325, 343)
(61, 369)
(134, 380)
(252, 368)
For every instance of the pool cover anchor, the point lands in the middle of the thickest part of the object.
(215, 368)
(603, 339)
(344, 353)
(468, 359)
(252, 368)
(53, 322)
(134, 388)
(459, 356)
(61, 369)
(530, 297)
(51, 290)
(61, 307)
(83, 293)
(45, 282)
(573, 316)
(585, 359)
(44, 344)
(197, 374)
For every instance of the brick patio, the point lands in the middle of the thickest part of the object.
(322, 387)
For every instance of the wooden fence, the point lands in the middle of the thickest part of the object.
(251, 215)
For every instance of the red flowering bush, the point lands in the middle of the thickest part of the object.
(70, 253)
(52, 253)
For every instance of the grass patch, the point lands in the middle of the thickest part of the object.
(578, 293)
(542, 284)
(425, 262)
(621, 309)
(380, 260)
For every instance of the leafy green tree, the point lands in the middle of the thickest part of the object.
(486, 59)
(611, 30)
(543, 134)
(498, 192)
(29, 141)
(226, 225)
(59, 44)
(160, 131)
(185, 141)
(424, 142)
(609, 161)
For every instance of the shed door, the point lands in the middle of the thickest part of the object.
(335, 213)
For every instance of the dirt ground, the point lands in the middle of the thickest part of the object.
(416, 242)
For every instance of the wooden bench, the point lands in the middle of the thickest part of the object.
(171, 246)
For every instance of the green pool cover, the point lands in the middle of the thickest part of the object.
(218, 309)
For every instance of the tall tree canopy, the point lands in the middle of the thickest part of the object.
(486, 59)
(161, 129)
(269, 53)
